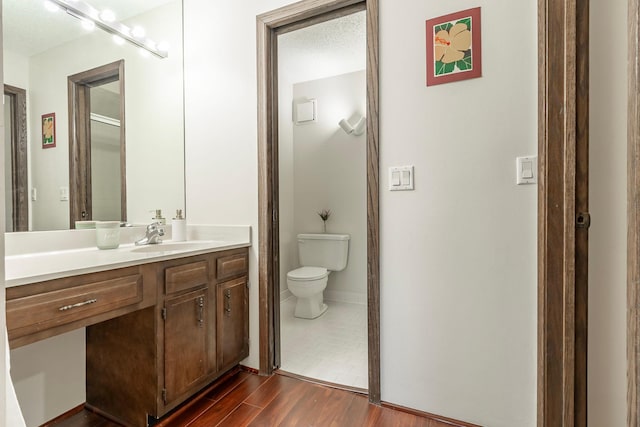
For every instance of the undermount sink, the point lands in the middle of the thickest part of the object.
(173, 246)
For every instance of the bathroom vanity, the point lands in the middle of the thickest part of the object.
(159, 327)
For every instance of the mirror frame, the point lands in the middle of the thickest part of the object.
(80, 197)
(633, 216)
(19, 169)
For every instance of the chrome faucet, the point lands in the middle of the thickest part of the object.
(153, 235)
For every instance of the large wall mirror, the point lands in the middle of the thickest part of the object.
(44, 49)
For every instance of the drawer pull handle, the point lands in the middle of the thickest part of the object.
(200, 303)
(227, 303)
(80, 304)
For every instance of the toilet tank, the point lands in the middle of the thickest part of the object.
(323, 250)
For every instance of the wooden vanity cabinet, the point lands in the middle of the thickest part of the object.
(233, 309)
(143, 365)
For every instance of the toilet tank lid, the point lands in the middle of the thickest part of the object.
(324, 236)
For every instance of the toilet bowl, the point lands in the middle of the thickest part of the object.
(319, 255)
(307, 285)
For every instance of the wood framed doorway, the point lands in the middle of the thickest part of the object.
(633, 216)
(269, 25)
(563, 216)
(80, 176)
(563, 219)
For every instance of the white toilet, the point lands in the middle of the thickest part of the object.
(319, 255)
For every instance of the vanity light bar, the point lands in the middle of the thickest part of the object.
(81, 10)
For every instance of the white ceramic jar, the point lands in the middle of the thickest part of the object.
(107, 234)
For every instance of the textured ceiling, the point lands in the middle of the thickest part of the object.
(327, 49)
(28, 28)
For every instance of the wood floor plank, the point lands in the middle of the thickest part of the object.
(228, 385)
(359, 412)
(241, 416)
(279, 407)
(218, 412)
(86, 419)
(275, 385)
(185, 416)
(246, 399)
(392, 418)
(308, 407)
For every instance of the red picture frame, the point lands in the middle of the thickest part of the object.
(49, 130)
(454, 52)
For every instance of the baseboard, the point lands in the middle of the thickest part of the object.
(70, 413)
(337, 296)
(438, 418)
(345, 296)
(250, 370)
(357, 390)
(285, 295)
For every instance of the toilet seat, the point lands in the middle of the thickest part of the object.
(307, 273)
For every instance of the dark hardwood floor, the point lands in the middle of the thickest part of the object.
(246, 399)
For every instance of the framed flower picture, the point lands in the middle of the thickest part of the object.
(454, 49)
(49, 130)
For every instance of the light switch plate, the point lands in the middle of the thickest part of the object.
(64, 194)
(401, 178)
(526, 170)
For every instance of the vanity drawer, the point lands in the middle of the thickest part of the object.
(187, 276)
(93, 296)
(232, 265)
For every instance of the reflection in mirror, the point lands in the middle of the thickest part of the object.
(41, 50)
(97, 144)
(107, 154)
(15, 154)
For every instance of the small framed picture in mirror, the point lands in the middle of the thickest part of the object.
(49, 130)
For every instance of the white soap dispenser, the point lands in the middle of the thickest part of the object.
(159, 218)
(179, 227)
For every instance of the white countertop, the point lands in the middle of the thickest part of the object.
(25, 268)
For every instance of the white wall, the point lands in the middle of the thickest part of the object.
(49, 376)
(607, 392)
(287, 236)
(330, 173)
(458, 255)
(4, 362)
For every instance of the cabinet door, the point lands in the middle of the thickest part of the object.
(232, 322)
(185, 342)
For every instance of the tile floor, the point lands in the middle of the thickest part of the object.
(331, 348)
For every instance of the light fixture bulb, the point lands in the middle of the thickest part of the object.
(151, 44)
(138, 32)
(87, 24)
(107, 16)
(50, 6)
